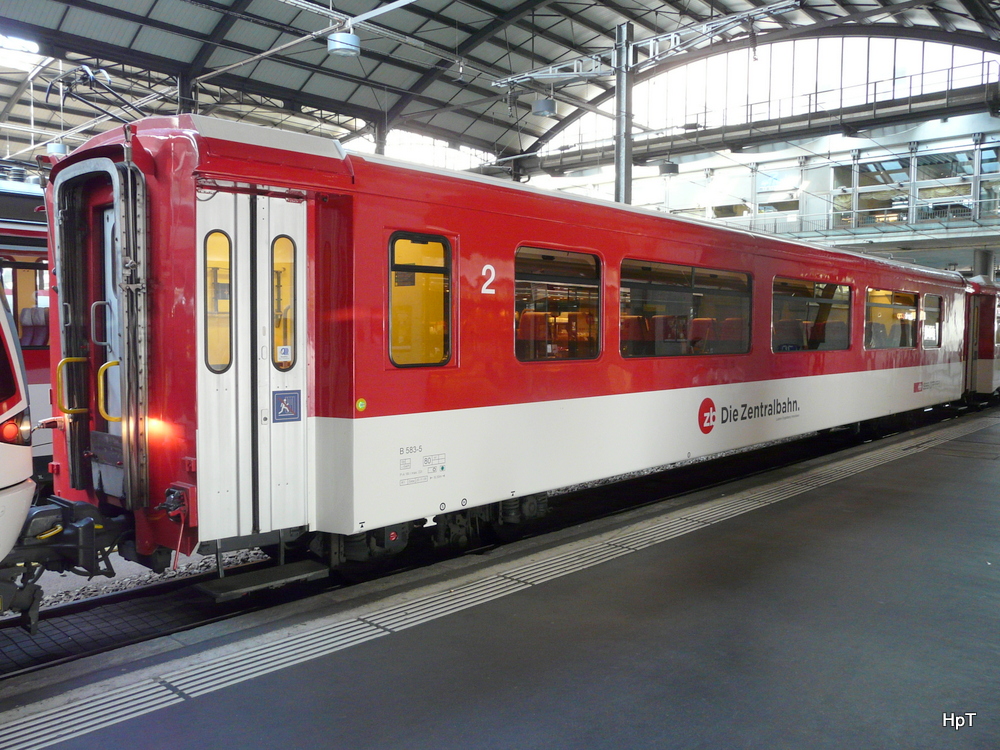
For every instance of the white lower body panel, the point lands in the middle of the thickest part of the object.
(38, 398)
(383, 470)
(987, 378)
(14, 504)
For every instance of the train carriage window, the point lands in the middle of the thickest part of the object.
(26, 290)
(419, 300)
(672, 310)
(810, 316)
(8, 382)
(7, 277)
(218, 312)
(283, 297)
(557, 305)
(932, 321)
(890, 319)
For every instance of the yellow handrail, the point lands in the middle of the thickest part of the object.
(59, 386)
(101, 391)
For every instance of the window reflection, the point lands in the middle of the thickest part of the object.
(672, 310)
(556, 306)
(808, 315)
(890, 320)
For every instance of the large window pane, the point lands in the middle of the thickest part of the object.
(943, 166)
(809, 315)
(557, 305)
(883, 206)
(890, 320)
(671, 310)
(885, 172)
(932, 321)
(26, 290)
(8, 383)
(420, 300)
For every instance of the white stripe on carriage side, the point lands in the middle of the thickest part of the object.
(76, 718)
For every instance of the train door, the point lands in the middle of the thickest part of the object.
(109, 347)
(100, 382)
(971, 341)
(252, 395)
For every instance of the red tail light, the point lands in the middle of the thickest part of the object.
(17, 429)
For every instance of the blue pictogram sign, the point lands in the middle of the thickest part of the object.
(286, 406)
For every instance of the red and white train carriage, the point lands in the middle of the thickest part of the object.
(24, 276)
(262, 339)
(16, 487)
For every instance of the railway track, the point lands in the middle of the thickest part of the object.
(106, 622)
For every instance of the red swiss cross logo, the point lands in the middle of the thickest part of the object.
(707, 415)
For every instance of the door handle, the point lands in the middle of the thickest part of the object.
(93, 321)
(102, 391)
(59, 386)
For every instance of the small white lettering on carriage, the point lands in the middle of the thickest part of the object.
(957, 721)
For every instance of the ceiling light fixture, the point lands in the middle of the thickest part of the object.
(343, 44)
(543, 107)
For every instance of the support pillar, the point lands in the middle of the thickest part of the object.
(983, 263)
(187, 100)
(381, 133)
(624, 78)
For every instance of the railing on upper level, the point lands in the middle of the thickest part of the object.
(921, 96)
(922, 218)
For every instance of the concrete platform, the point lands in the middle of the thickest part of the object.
(851, 602)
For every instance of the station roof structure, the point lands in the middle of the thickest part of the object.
(427, 66)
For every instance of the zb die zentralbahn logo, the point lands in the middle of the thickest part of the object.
(707, 415)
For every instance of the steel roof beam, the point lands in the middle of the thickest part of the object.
(984, 15)
(473, 41)
(232, 14)
(175, 68)
(215, 38)
(16, 95)
(490, 10)
(838, 26)
(639, 19)
(430, 48)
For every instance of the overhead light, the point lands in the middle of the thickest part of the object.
(543, 107)
(14, 44)
(343, 44)
(669, 168)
